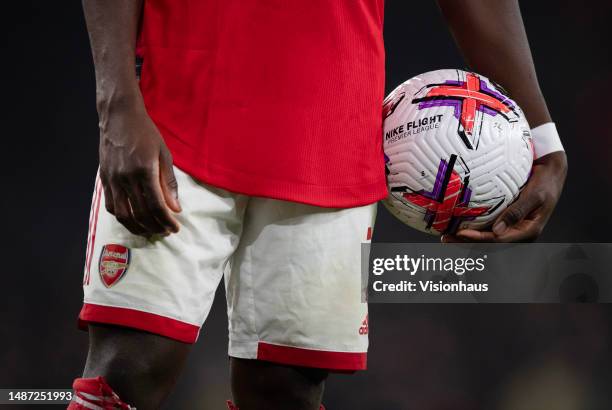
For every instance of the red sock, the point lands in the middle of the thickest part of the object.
(95, 394)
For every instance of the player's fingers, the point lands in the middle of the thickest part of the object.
(448, 238)
(152, 192)
(141, 210)
(472, 235)
(168, 181)
(527, 230)
(123, 212)
(526, 203)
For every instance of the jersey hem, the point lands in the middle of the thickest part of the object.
(256, 185)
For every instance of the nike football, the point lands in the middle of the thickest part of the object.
(457, 149)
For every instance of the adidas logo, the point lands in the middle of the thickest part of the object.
(363, 330)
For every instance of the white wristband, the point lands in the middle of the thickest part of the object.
(546, 139)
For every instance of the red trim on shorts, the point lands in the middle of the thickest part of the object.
(91, 240)
(322, 359)
(136, 319)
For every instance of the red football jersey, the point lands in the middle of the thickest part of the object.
(273, 98)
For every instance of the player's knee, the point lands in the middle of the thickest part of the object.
(142, 368)
(300, 384)
(260, 384)
(136, 352)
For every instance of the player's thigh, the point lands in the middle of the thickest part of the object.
(145, 299)
(295, 290)
(161, 285)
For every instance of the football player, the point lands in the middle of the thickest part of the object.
(250, 149)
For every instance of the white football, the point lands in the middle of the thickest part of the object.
(458, 151)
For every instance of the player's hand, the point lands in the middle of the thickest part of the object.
(140, 188)
(524, 219)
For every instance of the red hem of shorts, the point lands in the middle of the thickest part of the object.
(263, 186)
(322, 359)
(149, 322)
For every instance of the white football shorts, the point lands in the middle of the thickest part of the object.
(292, 276)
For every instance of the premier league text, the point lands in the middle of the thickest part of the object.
(413, 127)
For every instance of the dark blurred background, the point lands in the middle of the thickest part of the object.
(425, 357)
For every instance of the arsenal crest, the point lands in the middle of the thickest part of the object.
(114, 263)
